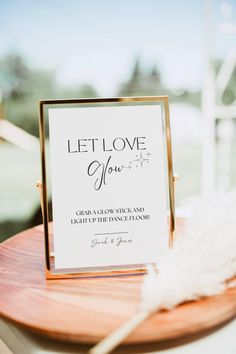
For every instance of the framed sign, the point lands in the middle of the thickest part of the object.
(108, 166)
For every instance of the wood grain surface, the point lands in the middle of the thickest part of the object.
(86, 310)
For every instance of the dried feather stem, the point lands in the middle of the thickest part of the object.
(114, 339)
(206, 249)
(109, 343)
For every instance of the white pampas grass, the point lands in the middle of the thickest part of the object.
(203, 259)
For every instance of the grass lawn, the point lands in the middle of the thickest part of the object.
(18, 194)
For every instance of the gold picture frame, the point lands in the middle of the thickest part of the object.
(51, 273)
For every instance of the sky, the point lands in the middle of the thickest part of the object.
(97, 41)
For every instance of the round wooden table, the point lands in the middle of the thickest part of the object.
(86, 310)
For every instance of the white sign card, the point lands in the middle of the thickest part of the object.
(108, 185)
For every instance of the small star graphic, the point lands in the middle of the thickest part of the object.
(141, 159)
(129, 166)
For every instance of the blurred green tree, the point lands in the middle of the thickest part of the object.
(142, 83)
(14, 75)
(22, 86)
(149, 82)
